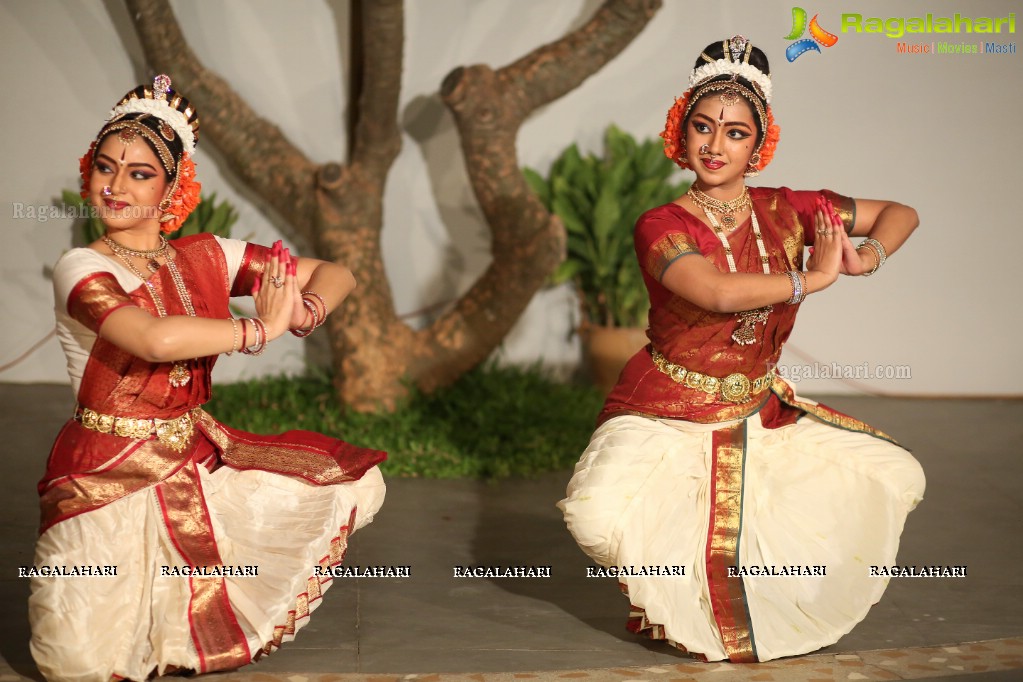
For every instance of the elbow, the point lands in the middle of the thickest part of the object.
(912, 218)
(157, 347)
(722, 299)
(907, 216)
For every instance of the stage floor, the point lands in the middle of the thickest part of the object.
(572, 626)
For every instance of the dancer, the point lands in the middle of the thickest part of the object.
(202, 547)
(704, 457)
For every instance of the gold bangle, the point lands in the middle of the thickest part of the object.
(877, 257)
(234, 336)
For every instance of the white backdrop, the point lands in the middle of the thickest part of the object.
(938, 132)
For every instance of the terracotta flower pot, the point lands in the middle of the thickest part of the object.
(607, 349)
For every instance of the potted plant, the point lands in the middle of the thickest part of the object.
(599, 200)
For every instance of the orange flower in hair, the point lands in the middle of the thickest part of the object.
(771, 138)
(85, 168)
(672, 133)
(185, 197)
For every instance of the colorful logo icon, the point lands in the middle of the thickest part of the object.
(818, 35)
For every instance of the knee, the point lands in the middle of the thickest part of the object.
(592, 527)
(369, 496)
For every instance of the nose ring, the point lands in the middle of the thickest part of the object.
(107, 191)
(705, 149)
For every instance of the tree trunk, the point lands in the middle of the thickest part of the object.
(339, 208)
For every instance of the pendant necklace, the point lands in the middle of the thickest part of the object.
(180, 374)
(748, 319)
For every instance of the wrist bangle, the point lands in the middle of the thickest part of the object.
(323, 316)
(798, 282)
(302, 332)
(260, 340)
(806, 285)
(880, 255)
(234, 335)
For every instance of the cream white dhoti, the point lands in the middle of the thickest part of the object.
(93, 628)
(659, 492)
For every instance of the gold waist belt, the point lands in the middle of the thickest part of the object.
(734, 388)
(174, 433)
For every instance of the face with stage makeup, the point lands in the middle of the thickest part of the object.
(127, 184)
(720, 138)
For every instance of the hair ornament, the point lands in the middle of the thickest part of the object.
(735, 64)
(155, 103)
(722, 67)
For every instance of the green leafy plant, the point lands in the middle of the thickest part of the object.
(208, 216)
(492, 423)
(599, 200)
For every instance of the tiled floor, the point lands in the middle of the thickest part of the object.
(573, 627)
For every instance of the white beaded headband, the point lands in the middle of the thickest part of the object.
(161, 109)
(737, 48)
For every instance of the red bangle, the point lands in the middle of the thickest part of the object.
(302, 332)
(244, 335)
(323, 317)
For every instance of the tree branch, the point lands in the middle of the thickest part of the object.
(528, 242)
(552, 70)
(377, 138)
(253, 147)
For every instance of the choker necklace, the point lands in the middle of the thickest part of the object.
(748, 319)
(180, 374)
(727, 209)
(149, 254)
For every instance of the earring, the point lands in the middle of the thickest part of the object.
(751, 169)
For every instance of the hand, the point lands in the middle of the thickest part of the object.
(275, 304)
(853, 261)
(300, 317)
(829, 244)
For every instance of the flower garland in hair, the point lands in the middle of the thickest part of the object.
(85, 168)
(771, 137)
(161, 110)
(185, 197)
(672, 133)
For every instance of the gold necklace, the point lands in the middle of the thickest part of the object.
(727, 209)
(180, 374)
(748, 319)
(147, 254)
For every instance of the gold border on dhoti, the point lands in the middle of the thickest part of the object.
(727, 594)
(218, 638)
(787, 395)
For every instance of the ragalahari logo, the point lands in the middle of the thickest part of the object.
(818, 35)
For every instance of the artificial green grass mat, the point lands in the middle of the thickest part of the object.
(494, 422)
